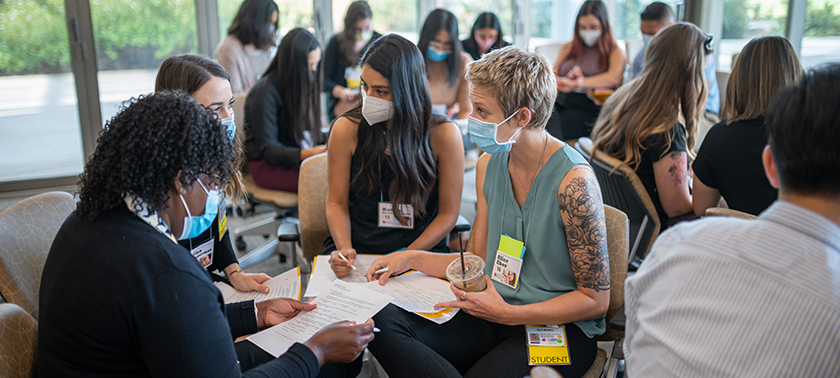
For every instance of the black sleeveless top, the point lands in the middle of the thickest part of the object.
(363, 204)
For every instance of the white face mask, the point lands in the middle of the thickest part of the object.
(646, 39)
(376, 110)
(590, 37)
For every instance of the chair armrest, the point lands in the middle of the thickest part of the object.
(618, 320)
(288, 232)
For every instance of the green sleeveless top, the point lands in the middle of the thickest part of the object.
(546, 266)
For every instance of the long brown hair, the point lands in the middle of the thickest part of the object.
(357, 11)
(765, 65)
(671, 87)
(187, 74)
(605, 43)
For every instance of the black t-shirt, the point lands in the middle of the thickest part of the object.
(220, 253)
(655, 148)
(730, 161)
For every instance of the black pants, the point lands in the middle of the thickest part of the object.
(251, 356)
(574, 116)
(411, 346)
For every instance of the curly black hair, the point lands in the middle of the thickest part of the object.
(144, 147)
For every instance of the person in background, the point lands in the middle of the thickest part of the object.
(539, 191)
(341, 68)
(655, 17)
(728, 164)
(247, 49)
(389, 153)
(283, 113)
(650, 123)
(591, 62)
(446, 65)
(729, 297)
(148, 308)
(208, 83)
(486, 35)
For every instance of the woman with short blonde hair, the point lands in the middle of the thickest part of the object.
(533, 188)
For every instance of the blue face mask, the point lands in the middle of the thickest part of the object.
(435, 55)
(229, 126)
(484, 135)
(195, 226)
(645, 40)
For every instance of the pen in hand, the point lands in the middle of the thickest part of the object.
(383, 270)
(341, 255)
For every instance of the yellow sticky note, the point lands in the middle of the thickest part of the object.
(511, 246)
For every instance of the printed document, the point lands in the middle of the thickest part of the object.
(322, 274)
(339, 301)
(285, 285)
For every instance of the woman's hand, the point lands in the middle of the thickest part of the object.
(566, 85)
(305, 153)
(575, 73)
(249, 282)
(397, 262)
(339, 266)
(275, 311)
(341, 342)
(487, 304)
(349, 95)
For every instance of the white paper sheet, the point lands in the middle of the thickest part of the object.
(418, 293)
(322, 275)
(285, 285)
(339, 301)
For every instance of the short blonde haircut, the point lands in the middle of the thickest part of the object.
(517, 78)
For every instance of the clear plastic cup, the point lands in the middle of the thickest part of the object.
(470, 280)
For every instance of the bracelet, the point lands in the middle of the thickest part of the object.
(235, 271)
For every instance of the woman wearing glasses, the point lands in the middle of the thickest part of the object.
(651, 122)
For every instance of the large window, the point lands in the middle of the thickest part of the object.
(744, 20)
(821, 42)
(40, 129)
(389, 16)
(129, 48)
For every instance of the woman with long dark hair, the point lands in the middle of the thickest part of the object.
(651, 123)
(207, 82)
(395, 170)
(591, 62)
(341, 59)
(247, 49)
(486, 35)
(446, 65)
(283, 113)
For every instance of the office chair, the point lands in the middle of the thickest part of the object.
(18, 342)
(622, 188)
(27, 229)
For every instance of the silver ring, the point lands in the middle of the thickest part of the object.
(464, 297)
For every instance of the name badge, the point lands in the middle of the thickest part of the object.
(204, 253)
(222, 219)
(547, 345)
(387, 219)
(508, 262)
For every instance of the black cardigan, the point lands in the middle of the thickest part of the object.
(118, 298)
(266, 136)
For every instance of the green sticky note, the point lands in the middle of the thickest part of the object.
(511, 246)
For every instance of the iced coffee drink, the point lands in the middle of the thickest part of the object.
(469, 279)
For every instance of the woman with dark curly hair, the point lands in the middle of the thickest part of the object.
(209, 84)
(120, 297)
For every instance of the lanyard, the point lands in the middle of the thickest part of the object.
(531, 217)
